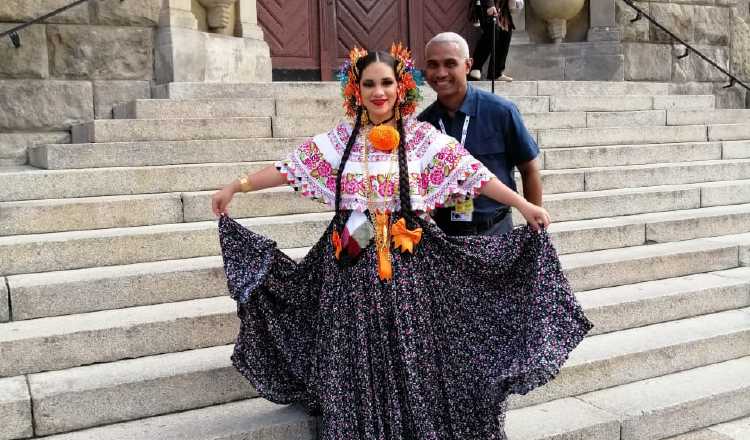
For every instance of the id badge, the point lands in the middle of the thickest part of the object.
(463, 212)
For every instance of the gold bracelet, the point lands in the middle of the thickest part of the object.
(245, 185)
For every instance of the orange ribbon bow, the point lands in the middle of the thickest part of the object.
(336, 242)
(403, 238)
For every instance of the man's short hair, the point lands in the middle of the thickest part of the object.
(450, 37)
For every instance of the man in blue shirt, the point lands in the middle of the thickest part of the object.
(491, 129)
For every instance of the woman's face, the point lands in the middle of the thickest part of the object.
(379, 91)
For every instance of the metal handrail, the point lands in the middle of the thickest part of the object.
(13, 32)
(733, 80)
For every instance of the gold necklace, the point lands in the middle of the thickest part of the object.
(382, 221)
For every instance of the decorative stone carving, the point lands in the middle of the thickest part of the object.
(219, 13)
(557, 13)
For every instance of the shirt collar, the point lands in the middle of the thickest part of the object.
(468, 107)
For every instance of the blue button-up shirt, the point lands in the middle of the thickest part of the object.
(496, 136)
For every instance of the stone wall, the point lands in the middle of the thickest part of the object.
(718, 28)
(71, 68)
(77, 65)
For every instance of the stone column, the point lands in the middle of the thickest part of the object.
(249, 20)
(187, 54)
(177, 13)
(603, 26)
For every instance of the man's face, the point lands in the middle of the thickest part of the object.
(446, 68)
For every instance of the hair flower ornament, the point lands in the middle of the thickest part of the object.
(409, 79)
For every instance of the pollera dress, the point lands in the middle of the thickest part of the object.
(431, 354)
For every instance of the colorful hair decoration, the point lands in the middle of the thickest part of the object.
(408, 77)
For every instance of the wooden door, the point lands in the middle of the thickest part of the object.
(429, 18)
(373, 24)
(318, 34)
(292, 30)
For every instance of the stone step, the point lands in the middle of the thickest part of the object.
(587, 137)
(140, 154)
(735, 149)
(562, 206)
(15, 408)
(641, 118)
(251, 419)
(740, 240)
(298, 107)
(57, 343)
(303, 107)
(281, 200)
(33, 184)
(618, 202)
(660, 227)
(195, 108)
(608, 103)
(37, 295)
(626, 356)
(76, 398)
(82, 249)
(598, 88)
(718, 116)
(618, 267)
(689, 224)
(729, 132)
(651, 302)
(634, 176)
(646, 410)
(674, 404)
(103, 394)
(56, 215)
(621, 155)
(258, 419)
(42, 295)
(4, 301)
(158, 153)
(108, 247)
(330, 90)
(725, 193)
(301, 126)
(131, 130)
(738, 429)
(13, 146)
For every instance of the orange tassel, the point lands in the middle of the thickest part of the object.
(385, 270)
(404, 238)
(336, 241)
(383, 245)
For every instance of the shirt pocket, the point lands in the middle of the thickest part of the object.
(489, 144)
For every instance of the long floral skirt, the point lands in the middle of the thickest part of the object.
(431, 354)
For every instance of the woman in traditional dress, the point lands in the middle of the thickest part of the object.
(389, 329)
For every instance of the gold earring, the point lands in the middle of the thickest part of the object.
(364, 119)
(396, 113)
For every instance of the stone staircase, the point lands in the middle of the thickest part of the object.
(114, 319)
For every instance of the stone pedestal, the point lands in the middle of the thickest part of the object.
(184, 53)
(603, 25)
(520, 36)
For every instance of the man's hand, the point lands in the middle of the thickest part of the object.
(492, 11)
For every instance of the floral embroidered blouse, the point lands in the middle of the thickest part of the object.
(441, 171)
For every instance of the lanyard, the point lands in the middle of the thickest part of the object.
(463, 132)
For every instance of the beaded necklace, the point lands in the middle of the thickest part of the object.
(382, 220)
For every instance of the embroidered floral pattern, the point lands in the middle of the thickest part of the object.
(441, 171)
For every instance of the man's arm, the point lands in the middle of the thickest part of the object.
(532, 181)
